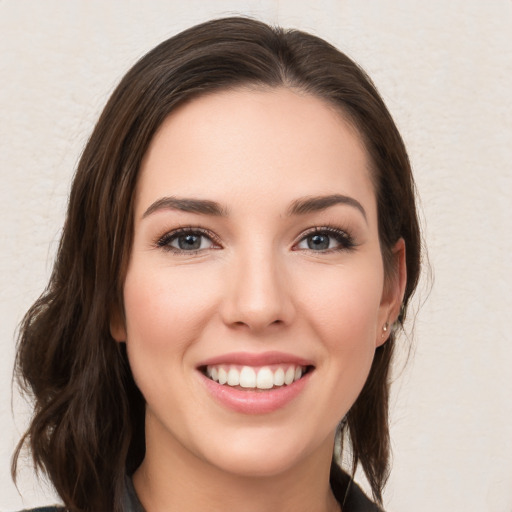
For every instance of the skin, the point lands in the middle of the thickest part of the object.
(253, 286)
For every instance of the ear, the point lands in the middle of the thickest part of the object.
(117, 325)
(393, 293)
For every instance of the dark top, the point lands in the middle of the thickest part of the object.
(347, 492)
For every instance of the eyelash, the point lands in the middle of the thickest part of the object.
(344, 239)
(164, 242)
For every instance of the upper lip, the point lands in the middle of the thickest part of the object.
(256, 359)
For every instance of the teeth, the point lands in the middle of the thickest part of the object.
(288, 376)
(279, 377)
(233, 377)
(247, 377)
(253, 378)
(265, 379)
(223, 376)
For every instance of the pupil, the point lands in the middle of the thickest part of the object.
(318, 242)
(189, 242)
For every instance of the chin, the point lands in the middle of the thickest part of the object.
(260, 465)
(258, 456)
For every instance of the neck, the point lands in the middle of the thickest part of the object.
(172, 479)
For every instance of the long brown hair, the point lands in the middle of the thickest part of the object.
(87, 431)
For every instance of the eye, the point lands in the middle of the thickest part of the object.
(326, 240)
(186, 240)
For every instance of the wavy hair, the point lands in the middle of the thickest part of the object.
(87, 431)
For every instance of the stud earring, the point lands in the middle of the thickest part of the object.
(385, 329)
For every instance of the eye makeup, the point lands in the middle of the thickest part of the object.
(188, 241)
(325, 239)
(191, 240)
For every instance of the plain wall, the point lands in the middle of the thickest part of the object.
(445, 70)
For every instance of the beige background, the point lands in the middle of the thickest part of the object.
(445, 71)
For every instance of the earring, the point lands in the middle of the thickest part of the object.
(385, 329)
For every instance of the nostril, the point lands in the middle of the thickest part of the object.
(252, 325)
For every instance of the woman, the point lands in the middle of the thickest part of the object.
(240, 248)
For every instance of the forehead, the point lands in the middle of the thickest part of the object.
(275, 142)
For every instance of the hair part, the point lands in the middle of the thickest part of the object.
(87, 431)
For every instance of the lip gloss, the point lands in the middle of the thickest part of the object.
(254, 401)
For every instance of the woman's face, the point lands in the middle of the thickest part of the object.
(255, 294)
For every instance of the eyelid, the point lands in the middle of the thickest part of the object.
(344, 238)
(162, 241)
(348, 243)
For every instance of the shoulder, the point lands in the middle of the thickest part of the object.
(357, 501)
(349, 495)
(45, 509)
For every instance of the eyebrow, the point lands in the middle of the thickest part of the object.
(201, 206)
(317, 203)
(300, 206)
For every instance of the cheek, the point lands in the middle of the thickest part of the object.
(165, 309)
(344, 316)
(342, 305)
(346, 300)
(165, 312)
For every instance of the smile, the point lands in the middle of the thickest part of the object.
(251, 383)
(249, 377)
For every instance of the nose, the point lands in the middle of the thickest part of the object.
(258, 295)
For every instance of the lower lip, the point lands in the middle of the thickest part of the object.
(255, 402)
